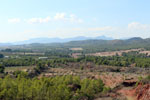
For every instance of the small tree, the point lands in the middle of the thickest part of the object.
(1, 56)
(2, 68)
(40, 67)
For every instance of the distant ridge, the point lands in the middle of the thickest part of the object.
(91, 45)
(59, 40)
(6, 44)
(80, 41)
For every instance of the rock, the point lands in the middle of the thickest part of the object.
(143, 92)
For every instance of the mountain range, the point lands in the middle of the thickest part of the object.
(89, 45)
(55, 40)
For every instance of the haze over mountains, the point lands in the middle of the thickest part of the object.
(55, 40)
(101, 41)
(89, 45)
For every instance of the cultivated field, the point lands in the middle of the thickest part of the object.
(113, 53)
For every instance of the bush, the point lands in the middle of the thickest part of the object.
(2, 68)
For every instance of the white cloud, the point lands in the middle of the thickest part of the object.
(74, 18)
(60, 16)
(138, 28)
(70, 18)
(133, 25)
(39, 20)
(137, 25)
(133, 29)
(14, 20)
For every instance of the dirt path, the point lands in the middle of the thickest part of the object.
(127, 92)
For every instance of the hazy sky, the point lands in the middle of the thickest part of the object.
(25, 19)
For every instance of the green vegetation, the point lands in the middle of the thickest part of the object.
(54, 88)
(148, 77)
(18, 85)
(2, 68)
(18, 62)
(88, 46)
(1, 56)
(126, 60)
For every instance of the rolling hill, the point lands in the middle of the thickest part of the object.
(90, 45)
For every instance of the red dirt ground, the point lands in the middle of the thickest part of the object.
(141, 92)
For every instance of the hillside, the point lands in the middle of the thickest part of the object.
(92, 45)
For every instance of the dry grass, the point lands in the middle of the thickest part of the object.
(145, 52)
(76, 49)
(112, 53)
(20, 68)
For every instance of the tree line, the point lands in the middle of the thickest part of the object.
(126, 60)
(54, 88)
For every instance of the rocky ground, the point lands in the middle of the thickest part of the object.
(121, 80)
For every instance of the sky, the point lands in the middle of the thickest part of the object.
(25, 19)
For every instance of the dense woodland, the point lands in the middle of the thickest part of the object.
(55, 88)
(126, 60)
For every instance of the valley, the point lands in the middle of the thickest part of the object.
(120, 72)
